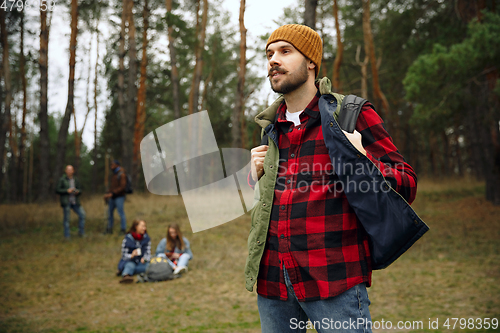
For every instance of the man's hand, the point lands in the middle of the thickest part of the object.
(257, 161)
(134, 253)
(355, 139)
(108, 195)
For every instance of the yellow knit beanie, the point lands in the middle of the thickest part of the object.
(303, 38)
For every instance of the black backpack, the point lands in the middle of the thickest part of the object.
(128, 186)
(159, 270)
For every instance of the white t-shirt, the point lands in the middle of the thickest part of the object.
(293, 117)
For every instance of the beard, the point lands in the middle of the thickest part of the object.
(292, 82)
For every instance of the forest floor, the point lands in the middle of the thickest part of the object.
(51, 285)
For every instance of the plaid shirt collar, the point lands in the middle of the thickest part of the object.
(312, 110)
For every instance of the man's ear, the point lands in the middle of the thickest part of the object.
(311, 65)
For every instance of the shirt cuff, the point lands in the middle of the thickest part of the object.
(250, 181)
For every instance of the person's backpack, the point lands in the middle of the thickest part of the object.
(385, 247)
(159, 270)
(128, 186)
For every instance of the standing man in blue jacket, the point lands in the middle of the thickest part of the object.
(308, 252)
(69, 191)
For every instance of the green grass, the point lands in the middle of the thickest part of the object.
(49, 285)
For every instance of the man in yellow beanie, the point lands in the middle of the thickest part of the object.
(307, 251)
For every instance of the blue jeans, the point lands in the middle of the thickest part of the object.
(81, 218)
(183, 260)
(117, 203)
(132, 268)
(346, 313)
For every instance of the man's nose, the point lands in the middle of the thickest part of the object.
(274, 60)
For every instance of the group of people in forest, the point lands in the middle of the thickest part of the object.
(136, 244)
(69, 190)
(136, 251)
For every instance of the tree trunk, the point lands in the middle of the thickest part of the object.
(495, 182)
(121, 74)
(340, 51)
(320, 19)
(174, 73)
(310, 13)
(196, 47)
(128, 122)
(5, 117)
(63, 130)
(380, 101)
(94, 152)
(44, 180)
(432, 155)
(458, 154)
(446, 170)
(106, 172)
(473, 127)
(79, 136)
(140, 117)
(76, 165)
(30, 171)
(22, 142)
(195, 87)
(14, 159)
(239, 106)
(364, 72)
(209, 81)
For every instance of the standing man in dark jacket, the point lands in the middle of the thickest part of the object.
(116, 196)
(308, 252)
(69, 190)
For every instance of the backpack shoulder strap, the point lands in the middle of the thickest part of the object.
(264, 137)
(349, 112)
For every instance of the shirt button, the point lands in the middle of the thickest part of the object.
(283, 207)
(279, 261)
(288, 181)
(331, 124)
(291, 129)
(282, 236)
(292, 155)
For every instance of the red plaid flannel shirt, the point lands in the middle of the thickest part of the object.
(313, 231)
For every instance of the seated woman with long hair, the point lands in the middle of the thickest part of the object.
(176, 248)
(136, 252)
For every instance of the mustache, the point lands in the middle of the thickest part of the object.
(276, 69)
